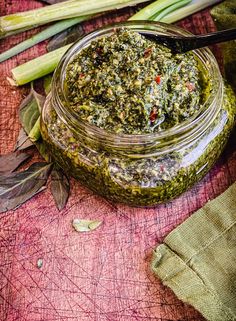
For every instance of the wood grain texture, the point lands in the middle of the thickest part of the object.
(103, 275)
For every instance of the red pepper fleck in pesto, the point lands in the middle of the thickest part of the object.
(153, 115)
(147, 52)
(158, 80)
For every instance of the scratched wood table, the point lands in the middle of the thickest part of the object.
(105, 274)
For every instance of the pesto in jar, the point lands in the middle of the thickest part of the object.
(125, 83)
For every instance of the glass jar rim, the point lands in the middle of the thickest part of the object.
(189, 128)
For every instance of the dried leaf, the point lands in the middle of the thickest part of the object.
(23, 141)
(29, 110)
(11, 161)
(17, 188)
(66, 37)
(60, 188)
(85, 225)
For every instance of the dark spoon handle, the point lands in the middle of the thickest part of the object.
(180, 44)
(208, 39)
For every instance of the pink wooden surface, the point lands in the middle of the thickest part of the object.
(102, 275)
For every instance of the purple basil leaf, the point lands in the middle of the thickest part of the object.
(60, 188)
(11, 161)
(17, 188)
(66, 37)
(23, 141)
(43, 150)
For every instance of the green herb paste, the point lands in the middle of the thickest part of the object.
(126, 84)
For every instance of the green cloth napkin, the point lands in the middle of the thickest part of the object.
(198, 259)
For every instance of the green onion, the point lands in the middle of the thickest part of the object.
(37, 67)
(45, 34)
(153, 9)
(11, 24)
(173, 7)
(189, 9)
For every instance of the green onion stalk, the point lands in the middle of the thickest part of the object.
(191, 8)
(179, 4)
(37, 67)
(153, 9)
(12, 23)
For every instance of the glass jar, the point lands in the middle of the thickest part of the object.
(139, 170)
